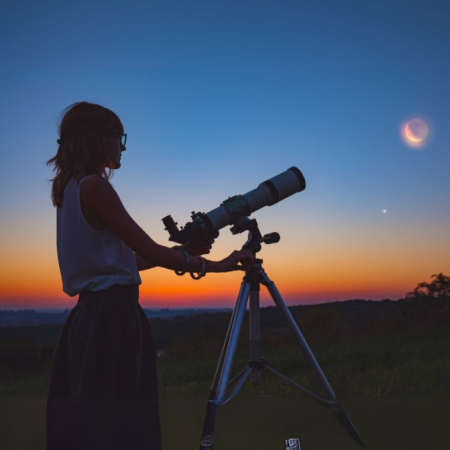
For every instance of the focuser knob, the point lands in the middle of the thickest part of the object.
(271, 238)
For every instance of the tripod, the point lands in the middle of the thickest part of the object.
(249, 292)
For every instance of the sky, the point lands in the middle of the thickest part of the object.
(219, 96)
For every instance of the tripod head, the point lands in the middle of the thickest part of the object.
(255, 238)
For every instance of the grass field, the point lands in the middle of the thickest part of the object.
(366, 350)
(409, 365)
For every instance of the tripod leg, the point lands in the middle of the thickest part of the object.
(276, 296)
(255, 334)
(233, 341)
(337, 409)
(222, 377)
(223, 352)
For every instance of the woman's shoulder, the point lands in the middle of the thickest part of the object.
(96, 188)
(95, 182)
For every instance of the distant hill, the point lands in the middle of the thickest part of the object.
(350, 310)
(31, 317)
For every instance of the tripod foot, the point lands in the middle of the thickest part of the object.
(342, 416)
(209, 428)
(206, 443)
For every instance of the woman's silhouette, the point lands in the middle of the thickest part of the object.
(103, 391)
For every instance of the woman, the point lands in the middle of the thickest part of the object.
(103, 392)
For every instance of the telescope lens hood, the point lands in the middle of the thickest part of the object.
(301, 178)
(279, 187)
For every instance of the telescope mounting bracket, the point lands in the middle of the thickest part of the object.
(255, 238)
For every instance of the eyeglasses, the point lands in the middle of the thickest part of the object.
(122, 138)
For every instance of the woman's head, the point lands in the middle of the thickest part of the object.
(89, 143)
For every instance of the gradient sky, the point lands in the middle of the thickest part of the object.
(218, 96)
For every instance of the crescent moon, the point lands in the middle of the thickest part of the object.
(410, 135)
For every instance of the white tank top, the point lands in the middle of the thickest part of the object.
(88, 258)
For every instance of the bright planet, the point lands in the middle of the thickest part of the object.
(416, 130)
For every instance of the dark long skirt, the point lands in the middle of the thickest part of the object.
(103, 392)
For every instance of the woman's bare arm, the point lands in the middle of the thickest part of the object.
(99, 198)
(141, 264)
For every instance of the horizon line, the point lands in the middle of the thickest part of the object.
(198, 307)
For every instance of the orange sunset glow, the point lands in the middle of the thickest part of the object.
(340, 268)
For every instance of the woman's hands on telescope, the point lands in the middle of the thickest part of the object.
(196, 248)
(230, 263)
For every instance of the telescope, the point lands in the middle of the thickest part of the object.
(206, 226)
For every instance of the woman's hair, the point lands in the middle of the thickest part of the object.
(83, 130)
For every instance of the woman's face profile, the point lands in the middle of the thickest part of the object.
(113, 151)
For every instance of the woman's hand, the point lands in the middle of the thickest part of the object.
(196, 248)
(230, 263)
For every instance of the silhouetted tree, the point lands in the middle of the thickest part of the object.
(438, 288)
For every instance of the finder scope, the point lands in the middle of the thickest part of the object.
(206, 226)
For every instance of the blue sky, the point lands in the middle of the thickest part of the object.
(217, 96)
